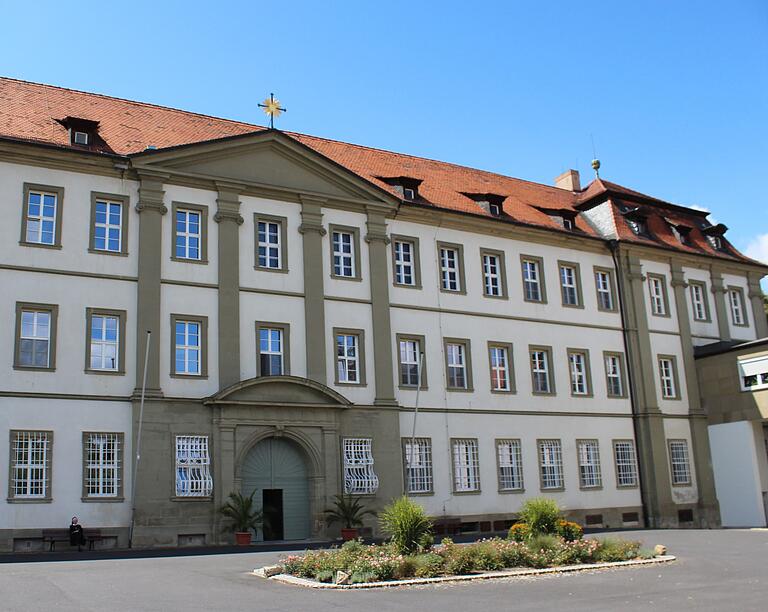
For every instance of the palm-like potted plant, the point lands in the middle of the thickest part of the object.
(348, 511)
(240, 510)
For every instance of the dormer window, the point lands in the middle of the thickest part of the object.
(568, 224)
(409, 193)
(638, 226)
(494, 209)
(406, 186)
(80, 138)
(491, 203)
(637, 221)
(82, 132)
(714, 234)
(681, 232)
(716, 242)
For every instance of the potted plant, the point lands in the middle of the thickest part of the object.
(239, 509)
(348, 511)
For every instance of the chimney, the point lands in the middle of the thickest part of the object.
(568, 180)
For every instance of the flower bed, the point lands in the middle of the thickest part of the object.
(356, 563)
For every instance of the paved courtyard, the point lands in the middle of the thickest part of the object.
(716, 570)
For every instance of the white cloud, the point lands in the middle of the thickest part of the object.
(758, 249)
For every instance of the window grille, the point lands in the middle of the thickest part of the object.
(531, 281)
(270, 251)
(103, 456)
(188, 234)
(510, 465)
(41, 217)
(409, 362)
(193, 467)
(667, 374)
(604, 291)
(578, 365)
(30, 464)
(614, 376)
(589, 464)
(359, 477)
(737, 310)
(492, 275)
(658, 303)
(271, 351)
(551, 464)
(105, 339)
(404, 263)
(568, 283)
(466, 468)
(188, 348)
(449, 269)
(678, 456)
(457, 366)
(499, 356)
(418, 465)
(343, 254)
(626, 463)
(347, 358)
(540, 371)
(35, 338)
(108, 226)
(699, 302)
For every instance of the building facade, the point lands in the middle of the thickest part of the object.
(295, 299)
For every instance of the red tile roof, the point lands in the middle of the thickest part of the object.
(32, 112)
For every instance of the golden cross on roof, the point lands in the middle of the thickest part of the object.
(272, 108)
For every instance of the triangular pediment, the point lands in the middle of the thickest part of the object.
(279, 390)
(266, 159)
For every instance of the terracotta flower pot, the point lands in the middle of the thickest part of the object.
(242, 538)
(350, 533)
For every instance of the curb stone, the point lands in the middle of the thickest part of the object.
(512, 573)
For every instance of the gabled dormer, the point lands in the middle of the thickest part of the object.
(637, 220)
(82, 132)
(407, 187)
(564, 217)
(491, 203)
(681, 231)
(716, 236)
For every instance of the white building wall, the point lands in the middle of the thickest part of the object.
(679, 429)
(739, 332)
(703, 332)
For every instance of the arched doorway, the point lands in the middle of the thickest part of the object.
(276, 471)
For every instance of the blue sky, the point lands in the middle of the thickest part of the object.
(674, 94)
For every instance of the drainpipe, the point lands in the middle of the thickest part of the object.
(613, 246)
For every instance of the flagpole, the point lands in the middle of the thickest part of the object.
(135, 471)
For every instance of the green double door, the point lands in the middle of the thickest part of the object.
(275, 469)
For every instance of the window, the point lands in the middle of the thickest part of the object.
(494, 273)
(410, 353)
(589, 464)
(30, 465)
(451, 267)
(272, 348)
(668, 377)
(359, 477)
(102, 465)
(716, 242)
(533, 279)
(109, 224)
(271, 243)
(679, 464)
(80, 138)
(736, 303)
(349, 357)
(753, 373)
(578, 365)
(345, 252)
(458, 364)
(417, 459)
(699, 301)
(605, 292)
(614, 374)
(541, 371)
(626, 463)
(409, 193)
(657, 286)
(500, 361)
(189, 345)
(105, 346)
(494, 209)
(510, 463)
(405, 261)
(638, 226)
(568, 223)
(570, 284)
(193, 467)
(41, 219)
(466, 468)
(36, 336)
(190, 233)
(551, 464)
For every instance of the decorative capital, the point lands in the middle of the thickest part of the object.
(228, 215)
(309, 227)
(373, 236)
(151, 206)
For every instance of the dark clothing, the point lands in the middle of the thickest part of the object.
(76, 535)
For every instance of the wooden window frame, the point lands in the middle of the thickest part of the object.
(662, 279)
(501, 274)
(356, 259)
(59, 192)
(612, 288)
(587, 372)
(202, 210)
(283, 246)
(285, 329)
(203, 322)
(121, 316)
(360, 333)
(53, 310)
(415, 264)
(510, 367)
(460, 272)
(576, 280)
(467, 344)
(550, 370)
(110, 198)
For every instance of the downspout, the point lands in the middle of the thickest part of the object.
(613, 246)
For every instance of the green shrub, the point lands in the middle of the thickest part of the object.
(428, 565)
(405, 568)
(578, 551)
(569, 530)
(461, 560)
(519, 532)
(407, 525)
(541, 515)
(324, 576)
(611, 549)
(488, 555)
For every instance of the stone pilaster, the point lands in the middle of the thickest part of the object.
(708, 507)
(312, 232)
(758, 308)
(721, 312)
(151, 210)
(378, 240)
(229, 221)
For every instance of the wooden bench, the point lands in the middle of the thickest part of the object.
(51, 536)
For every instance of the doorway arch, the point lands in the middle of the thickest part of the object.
(276, 471)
